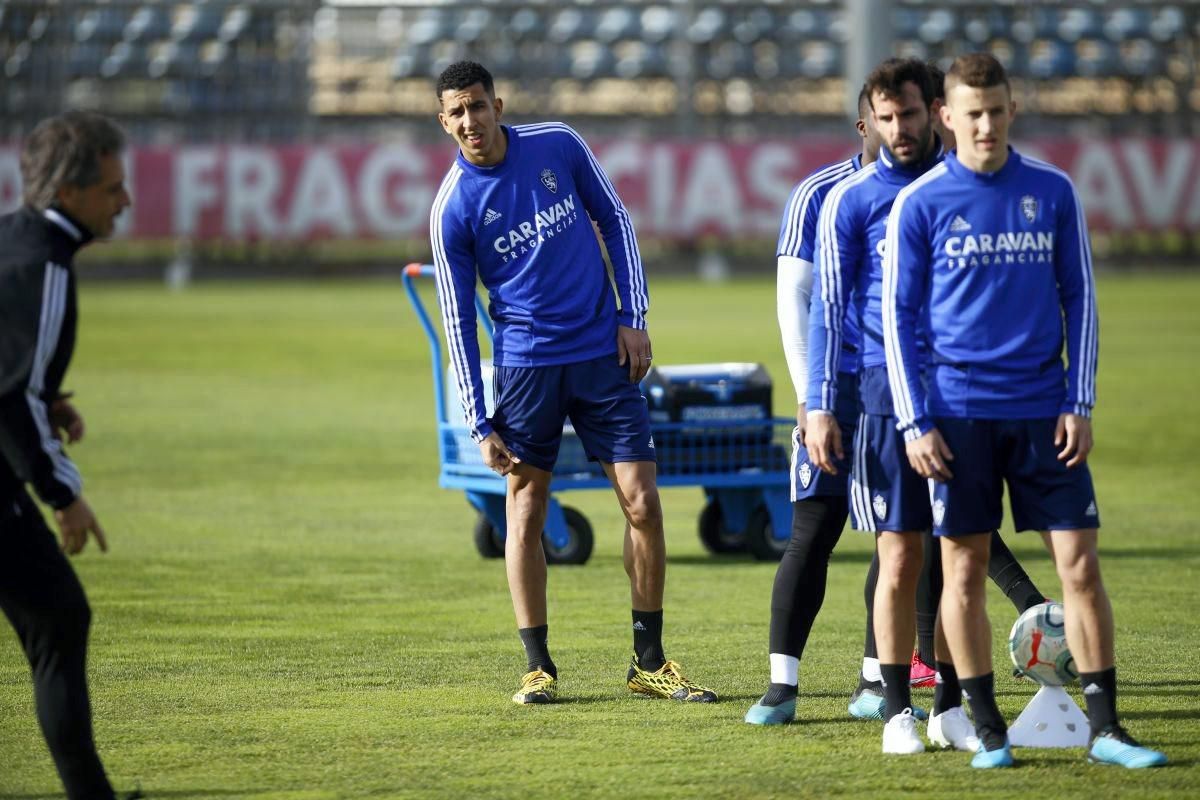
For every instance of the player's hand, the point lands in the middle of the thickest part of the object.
(633, 346)
(801, 420)
(65, 418)
(823, 438)
(74, 523)
(930, 456)
(497, 456)
(1074, 434)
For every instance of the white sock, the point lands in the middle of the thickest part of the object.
(870, 670)
(785, 669)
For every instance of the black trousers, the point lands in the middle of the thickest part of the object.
(44, 601)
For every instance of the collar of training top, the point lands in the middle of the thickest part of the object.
(63, 222)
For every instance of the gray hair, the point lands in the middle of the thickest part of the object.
(66, 151)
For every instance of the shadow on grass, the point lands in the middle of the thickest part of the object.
(1124, 684)
(723, 559)
(149, 794)
(1168, 713)
(1159, 553)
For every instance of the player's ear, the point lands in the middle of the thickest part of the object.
(861, 127)
(946, 118)
(498, 104)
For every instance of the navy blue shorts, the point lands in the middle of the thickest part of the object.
(1044, 494)
(807, 479)
(886, 494)
(608, 412)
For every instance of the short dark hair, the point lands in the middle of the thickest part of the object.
(979, 71)
(66, 151)
(939, 80)
(864, 100)
(889, 78)
(462, 74)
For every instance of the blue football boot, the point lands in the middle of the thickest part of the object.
(1115, 746)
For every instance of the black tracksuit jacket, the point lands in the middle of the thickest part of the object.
(38, 316)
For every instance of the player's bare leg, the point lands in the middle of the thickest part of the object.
(1088, 612)
(645, 549)
(525, 564)
(901, 556)
(1089, 623)
(645, 556)
(524, 559)
(969, 636)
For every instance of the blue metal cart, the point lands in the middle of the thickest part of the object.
(742, 467)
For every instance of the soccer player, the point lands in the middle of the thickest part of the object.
(886, 496)
(516, 209)
(991, 249)
(74, 189)
(819, 508)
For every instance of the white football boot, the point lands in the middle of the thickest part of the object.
(953, 729)
(900, 735)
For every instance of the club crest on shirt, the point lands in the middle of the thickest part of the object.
(880, 506)
(550, 181)
(1029, 206)
(939, 512)
(805, 474)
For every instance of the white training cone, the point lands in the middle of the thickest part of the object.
(1050, 720)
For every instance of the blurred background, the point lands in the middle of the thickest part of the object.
(299, 137)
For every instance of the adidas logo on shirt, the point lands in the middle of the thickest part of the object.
(490, 217)
(958, 225)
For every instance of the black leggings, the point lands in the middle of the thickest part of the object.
(45, 603)
(799, 588)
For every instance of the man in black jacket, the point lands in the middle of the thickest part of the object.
(74, 189)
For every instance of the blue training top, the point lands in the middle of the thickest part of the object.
(995, 262)
(850, 238)
(798, 239)
(523, 227)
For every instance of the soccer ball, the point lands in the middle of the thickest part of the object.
(1037, 644)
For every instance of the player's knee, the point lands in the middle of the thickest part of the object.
(644, 511)
(1079, 571)
(901, 566)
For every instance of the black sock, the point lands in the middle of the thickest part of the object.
(897, 695)
(929, 594)
(799, 588)
(537, 655)
(865, 683)
(647, 639)
(1010, 576)
(948, 692)
(779, 693)
(989, 723)
(1100, 694)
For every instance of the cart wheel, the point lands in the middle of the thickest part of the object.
(488, 540)
(578, 548)
(760, 536)
(716, 537)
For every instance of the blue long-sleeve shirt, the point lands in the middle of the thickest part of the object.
(524, 226)
(1000, 266)
(798, 239)
(850, 238)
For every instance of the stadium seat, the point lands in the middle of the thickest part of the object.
(658, 23)
(615, 24)
(147, 24)
(1050, 58)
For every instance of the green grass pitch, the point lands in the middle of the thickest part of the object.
(291, 608)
